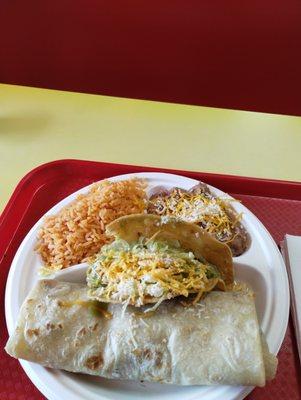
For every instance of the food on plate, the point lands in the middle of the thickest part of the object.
(216, 342)
(153, 260)
(200, 206)
(78, 230)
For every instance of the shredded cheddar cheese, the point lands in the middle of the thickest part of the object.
(147, 272)
(201, 208)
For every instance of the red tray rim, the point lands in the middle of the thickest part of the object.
(16, 207)
(289, 192)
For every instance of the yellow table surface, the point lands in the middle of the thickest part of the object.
(38, 125)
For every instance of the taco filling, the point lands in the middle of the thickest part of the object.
(139, 270)
(147, 271)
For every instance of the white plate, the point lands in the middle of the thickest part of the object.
(261, 266)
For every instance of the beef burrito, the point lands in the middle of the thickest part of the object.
(215, 342)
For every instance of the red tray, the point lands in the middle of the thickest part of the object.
(276, 203)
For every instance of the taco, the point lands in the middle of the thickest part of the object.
(152, 260)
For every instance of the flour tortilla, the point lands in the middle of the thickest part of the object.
(216, 342)
(190, 236)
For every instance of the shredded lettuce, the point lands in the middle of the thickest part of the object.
(143, 251)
